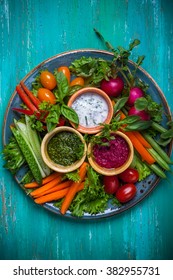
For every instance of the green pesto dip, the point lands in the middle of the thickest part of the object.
(65, 148)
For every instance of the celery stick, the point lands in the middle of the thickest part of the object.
(35, 144)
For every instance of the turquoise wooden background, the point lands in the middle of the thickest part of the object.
(34, 30)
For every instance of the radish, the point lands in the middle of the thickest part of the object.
(141, 113)
(134, 94)
(113, 87)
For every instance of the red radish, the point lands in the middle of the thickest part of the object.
(134, 94)
(141, 113)
(113, 87)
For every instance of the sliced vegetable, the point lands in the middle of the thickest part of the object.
(56, 195)
(92, 199)
(44, 181)
(58, 187)
(52, 196)
(28, 154)
(32, 97)
(143, 141)
(47, 186)
(26, 99)
(35, 143)
(73, 189)
(140, 148)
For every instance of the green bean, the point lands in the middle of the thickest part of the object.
(156, 147)
(159, 159)
(156, 169)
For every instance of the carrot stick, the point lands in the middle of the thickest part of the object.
(140, 142)
(33, 98)
(142, 139)
(47, 186)
(73, 189)
(51, 196)
(44, 181)
(56, 195)
(58, 187)
(140, 148)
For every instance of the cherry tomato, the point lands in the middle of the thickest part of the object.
(65, 71)
(48, 80)
(45, 94)
(126, 192)
(130, 175)
(111, 184)
(79, 81)
(61, 121)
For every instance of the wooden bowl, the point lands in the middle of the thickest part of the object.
(97, 93)
(57, 167)
(111, 171)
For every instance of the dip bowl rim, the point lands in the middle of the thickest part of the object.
(51, 164)
(112, 171)
(98, 128)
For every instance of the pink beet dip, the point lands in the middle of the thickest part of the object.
(113, 155)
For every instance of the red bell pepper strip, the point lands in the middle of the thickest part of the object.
(23, 111)
(33, 98)
(26, 99)
(27, 112)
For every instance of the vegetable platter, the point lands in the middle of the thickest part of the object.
(72, 71)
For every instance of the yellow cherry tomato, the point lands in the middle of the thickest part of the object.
(79, 81)
(47, 80)
(45, 94)
(65, 71)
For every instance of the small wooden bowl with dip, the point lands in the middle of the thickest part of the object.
(60, 147)
(93, 107)
(113, 159)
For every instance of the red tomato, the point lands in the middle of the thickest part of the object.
(61, 121)
(65, 71)
(45, 94)
(126, 192)
(47, 80)
(111, 184)
(130, 175)
(79, 81)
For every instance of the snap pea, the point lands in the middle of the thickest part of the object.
(159, 159)
(156, 169)
(156, 146)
